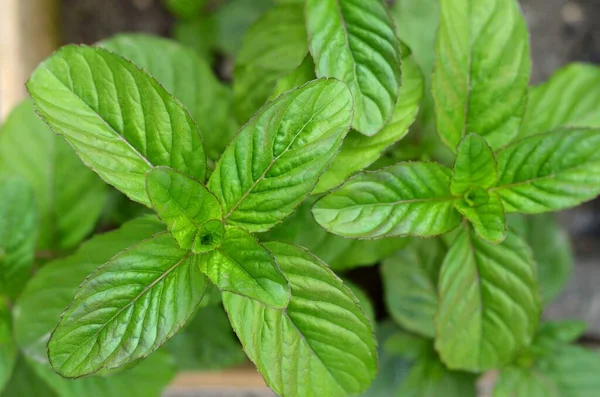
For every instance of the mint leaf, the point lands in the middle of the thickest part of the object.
(241, 265)
(18, 232)
(409, 346)
(25, 382)
(127, 308)
(184, 204)
(485, 212)
(8, 347)
(475, 165)
(488, 301)
(188, 78)
(551, 251)
(363, 300)
(297, 77)
(207, 342)
(525, 382)
(355, 41)
(403, 199)
(276, 159)
(550, 172)
(185, 8)
(69, 197)
(120, 121)
(430, 378)
(410, 285)
(322, 344)
(559, 332)
(274, 46)
(50, 291)
(482, 70)
(339, 253)
(565, 100)
(359, 151)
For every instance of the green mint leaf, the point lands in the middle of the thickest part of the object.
(559, 332)
(429, 377)
(276, 159)
(185, 8)
(18, 233)
(25, 382)
(551, 251)
(410, 285)
(550, 172)
(241, 265)
(198, 33)
(119, 120)
(127, 308)
(50, 291)
(69, 197)
(482, 70)
(363, 300)
(485, 212)
(403, 199)
(565, 100)
(8, 347)
(322, 344)
(475, 165)
(339, 253)
(183, 203)
(489, 305)
(189, 79)
(360, 151)
(148, 378)
(409, 346)
(274, 46)
(355, 41)
(525, 382)
(207, 342)
(296, 78)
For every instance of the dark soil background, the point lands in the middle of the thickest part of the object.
(561, 31)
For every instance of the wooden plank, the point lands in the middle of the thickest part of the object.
(28, 34)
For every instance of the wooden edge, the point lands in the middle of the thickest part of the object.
(237, 378)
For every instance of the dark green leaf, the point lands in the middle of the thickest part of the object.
(550, 172)
(363, 299)
(184, 204)
(559, 332)
(8, 346)
(241, 265)
(296, 78)
(403, 199)
(127, 308)
(185, 8)
(355, 41)
(482, 70)
(321, 345)
(198, 33)
(410, 285)
(489, 305)
(277, 158)
(24, 382)
(525, 382)
(119, 120)
(409, 346)
(69, 197)
(18, 233)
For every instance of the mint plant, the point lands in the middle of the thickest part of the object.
(320, 156)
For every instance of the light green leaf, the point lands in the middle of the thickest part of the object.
(296, 78)
(339, 253)
(355, 41)
(53, 287)
(69, 197)
(187, 77)
(359, 151)
(241, 265)
(430, 378)
(551, 251)
(25, 382)
(550, 172)
(482, 70)
(525, 382)
(276, 159)
(403, 199)
(148, 378)
(488, 302)
(475, 165)
(127, 308)
(119, 120)
(8, 347)
(207, 342)
(566, 100)
(485, 212)
(321, 345)
(410, 285)
(274, 46)
(184, 204)
(185, 8)
(559, 332)
(18, 233)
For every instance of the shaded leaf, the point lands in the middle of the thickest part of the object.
(119, 120)
(321, 346)
(185, 8)
(25, 382)
(296, 78)
(8, 346)
(355, 41)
